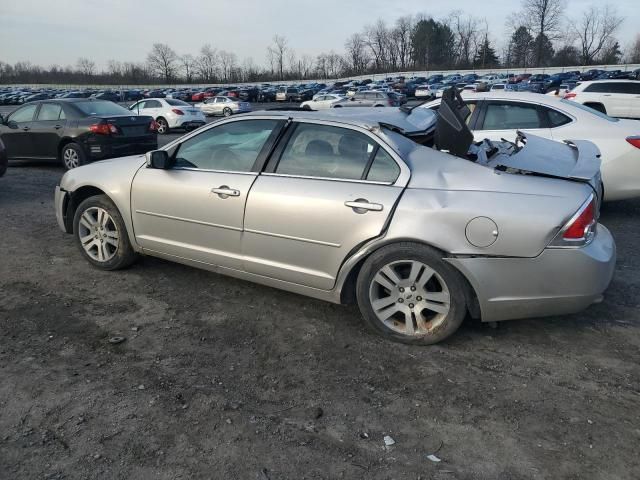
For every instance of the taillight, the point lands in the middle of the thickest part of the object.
(580, 229)
(103, 128)
(177, 111)
(153, 126)
(635, 141)
(570, 95)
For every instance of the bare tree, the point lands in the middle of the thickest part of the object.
(402, 40)
(277, 52)
(633, 52)
(228, 63)
(544, 19)
(356, 55)
(162, 61)
(375, 37)
(466, 31)
(189, 64)
(86, 67)
(594, 29)
(207, 63)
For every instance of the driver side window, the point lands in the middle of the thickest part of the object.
(232, 147)
(24, 114)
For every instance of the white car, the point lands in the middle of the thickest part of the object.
(225, 106)
(170, 113)
(321, 102)
(498, 115)
(618, 98)
(423, 91)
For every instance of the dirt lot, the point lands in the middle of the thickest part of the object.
(223, 379)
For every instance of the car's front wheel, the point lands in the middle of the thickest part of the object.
(408, 293)
(101, 234)
(227, 112)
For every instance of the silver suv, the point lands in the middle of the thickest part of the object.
(368, 99)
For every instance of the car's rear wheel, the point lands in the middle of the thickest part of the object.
(101, 234)
(227, 112)
(72, 156)
(408, 293)
(306, 107)
(163, 126)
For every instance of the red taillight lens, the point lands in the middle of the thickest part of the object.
(635, 141)
(177, 111)
(103, 128)
(579, 226)
(153, 126)
(570, 95)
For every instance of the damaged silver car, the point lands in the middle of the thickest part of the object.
(397, 210)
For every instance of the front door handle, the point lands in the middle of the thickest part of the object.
(26, 129)
(362, 205)
(58, 127)
(223, 191)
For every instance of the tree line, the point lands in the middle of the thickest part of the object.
(538, 35)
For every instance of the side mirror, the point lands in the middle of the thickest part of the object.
(12, 124)
(158, 159)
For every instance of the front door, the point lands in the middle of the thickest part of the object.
(16, 133)
(195, 210)
(326, 191)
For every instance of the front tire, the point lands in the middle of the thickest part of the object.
(101, 235)
(227, 112)
(409, 294)
(72, 156)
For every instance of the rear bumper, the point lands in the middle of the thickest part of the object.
(186, 123)
(557, 282)
(100, 150)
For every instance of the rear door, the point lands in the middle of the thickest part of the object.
(327, 189)
(633, 90)
(17, 137)
(617, 100)
(47, 129)
(195, 210)
(500, 119)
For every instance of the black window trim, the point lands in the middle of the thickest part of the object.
(57, 104)
(35, 113)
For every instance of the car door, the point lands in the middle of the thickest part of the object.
(195, 209)
(500, 119)
(47, 129)
(616, 99)
(16, 135)
(327, 189)
(633, 89)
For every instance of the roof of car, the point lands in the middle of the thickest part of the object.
(608, 80)
(416, 120)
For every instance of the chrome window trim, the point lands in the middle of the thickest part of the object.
(191, 169)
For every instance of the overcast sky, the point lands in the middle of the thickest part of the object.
(47, 32)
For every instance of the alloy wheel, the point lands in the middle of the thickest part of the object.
(409, 297)
(98, 234)
(70, 158)
(162, 126)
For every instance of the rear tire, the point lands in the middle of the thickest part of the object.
(163, 126)
(227, 112)
(407, 293)
(72, 156)
(101, 235)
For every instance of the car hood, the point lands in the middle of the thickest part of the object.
(102, 171)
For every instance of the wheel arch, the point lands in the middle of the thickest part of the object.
(62, 143)
(74, 199)
(348, 275)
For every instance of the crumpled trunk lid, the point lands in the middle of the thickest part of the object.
(575, 160)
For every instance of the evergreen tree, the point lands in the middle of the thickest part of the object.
(485, 55)
(520, 48)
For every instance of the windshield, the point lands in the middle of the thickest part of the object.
(590, 110)
(99, 108)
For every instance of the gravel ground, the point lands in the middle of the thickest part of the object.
(223, 379)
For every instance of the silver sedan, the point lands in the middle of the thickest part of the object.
(395, 210)
(225, 106)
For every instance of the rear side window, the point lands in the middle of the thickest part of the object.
(327, 152)
(509, 116)
(153, 104)
(177, 103)
(600, 88)
(556, 119)
(99, 108)
(50, 111)
(384, 168)
(24, 114)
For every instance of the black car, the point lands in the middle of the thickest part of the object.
(3, 159)
(109, 96)
(76, 131)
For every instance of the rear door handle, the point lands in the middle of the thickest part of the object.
(362, 205)
(26, 129)
(223, 191)
(58, 127)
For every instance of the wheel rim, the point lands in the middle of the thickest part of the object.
(98, 234)
(162, 126)
(70, 158)
(226, 112)
(409, 297)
